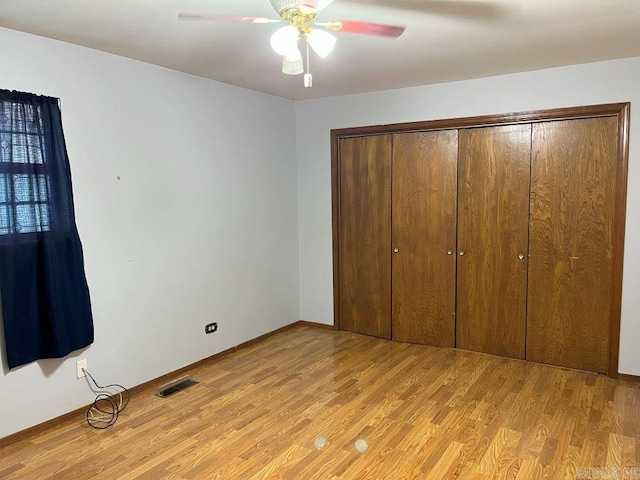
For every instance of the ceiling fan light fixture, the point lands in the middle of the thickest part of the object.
(292, 65)
(285, 41)
(322, 42)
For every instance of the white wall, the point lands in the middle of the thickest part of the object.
(604, 82)
(200, 227)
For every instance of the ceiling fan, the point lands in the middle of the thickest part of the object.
(300, 17)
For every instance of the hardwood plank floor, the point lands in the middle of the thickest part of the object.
(425, 412)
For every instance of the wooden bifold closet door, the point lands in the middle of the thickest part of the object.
(493, 216)
(365, 235)
(573, 184)
(424, 237)
(410, 295)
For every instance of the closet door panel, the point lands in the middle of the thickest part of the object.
(493, 217)
(365, 235)
(424, 231)
(570, 267)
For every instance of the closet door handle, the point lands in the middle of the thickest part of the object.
(395, 250)
(449, 252)
(461, 253)
(521, 256)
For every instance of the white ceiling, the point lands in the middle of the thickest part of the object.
(445, 40)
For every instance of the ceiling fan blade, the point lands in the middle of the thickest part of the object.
(364, 28)
(232, 18)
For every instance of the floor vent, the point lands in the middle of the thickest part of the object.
(175, 386)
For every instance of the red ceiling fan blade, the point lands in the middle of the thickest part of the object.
(219, 17)
(365, 28)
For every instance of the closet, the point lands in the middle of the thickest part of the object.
(498, 234)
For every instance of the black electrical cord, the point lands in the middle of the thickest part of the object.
(104, 410)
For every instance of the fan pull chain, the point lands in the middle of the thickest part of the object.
(308, 79)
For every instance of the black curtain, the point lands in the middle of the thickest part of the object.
(45, 299)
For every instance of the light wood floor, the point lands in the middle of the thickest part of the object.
(425, 413)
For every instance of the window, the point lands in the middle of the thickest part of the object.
(24, 179)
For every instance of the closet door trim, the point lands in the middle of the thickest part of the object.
(531, 116)
(619, 110)
(619, 218)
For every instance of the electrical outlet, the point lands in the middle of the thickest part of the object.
(80, 364)
(211, 328)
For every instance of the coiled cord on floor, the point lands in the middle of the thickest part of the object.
(110, 401)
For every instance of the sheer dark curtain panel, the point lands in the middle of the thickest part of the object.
(46, 308)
